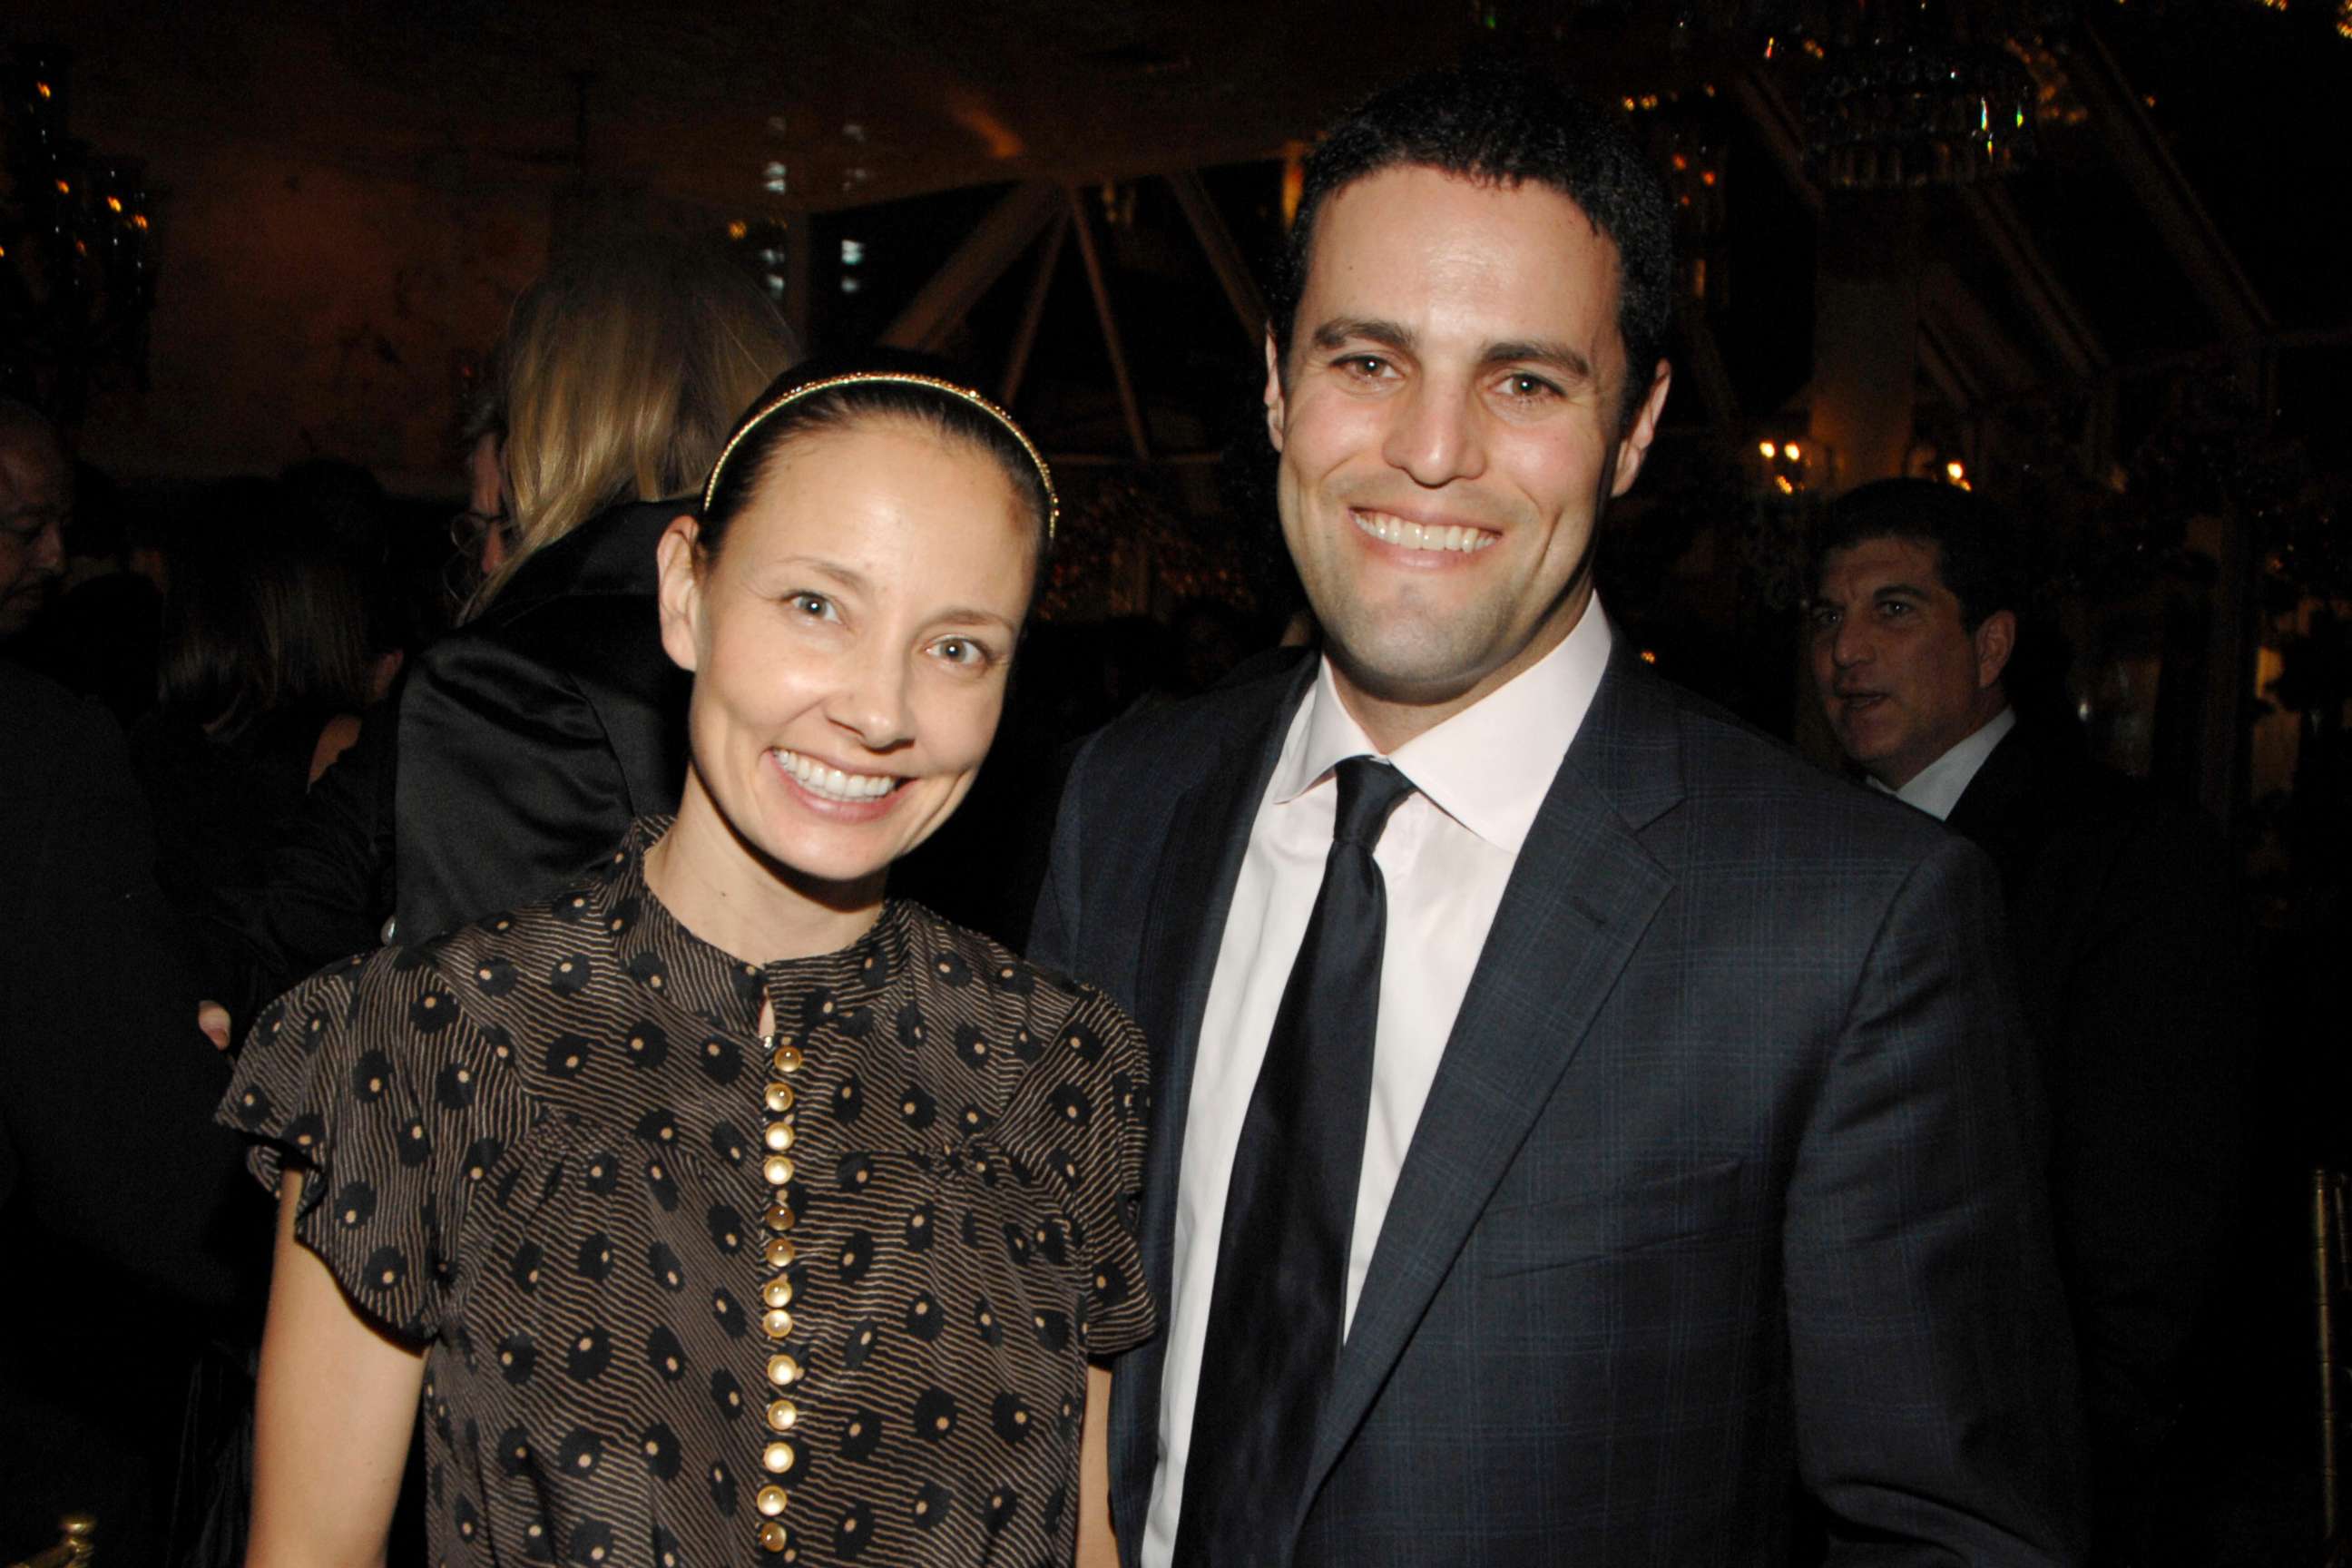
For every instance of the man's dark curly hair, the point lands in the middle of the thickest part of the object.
(1503, 125)
(1975, 542)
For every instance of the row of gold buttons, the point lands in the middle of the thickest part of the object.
(776, 1295)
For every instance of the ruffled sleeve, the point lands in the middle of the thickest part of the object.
(368, 1077)
(1117, 1312)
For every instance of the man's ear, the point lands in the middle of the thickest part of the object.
(1996, 639)
(1275, 407)
(680, 595)
(1634, 445)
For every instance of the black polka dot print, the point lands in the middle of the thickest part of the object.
(686, 1296)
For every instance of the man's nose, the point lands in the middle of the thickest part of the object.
(1436, 436)
(50, 548)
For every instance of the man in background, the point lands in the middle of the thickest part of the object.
(2122, 918)
(36, 497)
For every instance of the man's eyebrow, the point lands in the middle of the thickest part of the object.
(1563, 357)
(1341, 330)
(1900, 590)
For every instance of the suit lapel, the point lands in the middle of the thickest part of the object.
(1184, 926)
(1579, 900)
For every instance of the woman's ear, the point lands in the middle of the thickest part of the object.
(681, 591)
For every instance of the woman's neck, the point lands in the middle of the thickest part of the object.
(725, 891)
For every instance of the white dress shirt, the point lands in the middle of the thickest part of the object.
(1938, 787)
(1445, 858)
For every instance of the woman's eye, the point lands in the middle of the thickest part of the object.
(814, 606)
(961, 651)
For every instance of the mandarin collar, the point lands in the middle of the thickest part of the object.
(656, 948)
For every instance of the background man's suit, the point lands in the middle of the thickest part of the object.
(1730, 1173)
(2122, 911)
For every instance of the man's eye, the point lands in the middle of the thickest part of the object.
(1363, 367)
(1529, 387)
(1825, 619)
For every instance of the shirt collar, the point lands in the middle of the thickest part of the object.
(1938, 787)
(1487, 767)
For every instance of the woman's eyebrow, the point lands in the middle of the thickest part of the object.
(966, 615)
(847, 576)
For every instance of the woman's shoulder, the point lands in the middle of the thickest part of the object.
(957, 957)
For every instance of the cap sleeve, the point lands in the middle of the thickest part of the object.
(369, 1079)
(1116, 1310)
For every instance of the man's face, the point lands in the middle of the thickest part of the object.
(36, 494)
(1900, 675)
(1449, 431)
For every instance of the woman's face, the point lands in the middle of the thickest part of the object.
(850, 642)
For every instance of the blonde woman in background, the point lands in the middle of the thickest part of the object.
(531, 737)
(533, 734)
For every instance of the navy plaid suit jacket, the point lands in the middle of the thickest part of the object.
(1727, 1190)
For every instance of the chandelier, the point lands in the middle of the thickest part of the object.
(77, 247)
(1923, 92)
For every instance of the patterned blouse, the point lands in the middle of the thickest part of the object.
(691, 1297)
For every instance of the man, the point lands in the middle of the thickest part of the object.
(36, 496)
(1666, 1121)
(2128, 956)
(132, 1237)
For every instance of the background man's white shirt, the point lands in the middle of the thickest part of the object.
(1938, 787)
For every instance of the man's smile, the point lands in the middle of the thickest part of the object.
(1390, 528)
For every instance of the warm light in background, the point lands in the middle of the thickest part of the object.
(1001, 140)
(1769, 449)
(1294, 181)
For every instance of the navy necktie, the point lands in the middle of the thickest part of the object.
(1277, 1302)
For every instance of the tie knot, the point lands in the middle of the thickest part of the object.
(1369, 789)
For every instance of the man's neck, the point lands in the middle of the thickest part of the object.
(1389, 720)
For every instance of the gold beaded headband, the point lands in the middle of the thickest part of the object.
(891, 378)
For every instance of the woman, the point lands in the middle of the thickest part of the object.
(264, 673)
(531, 737)
(720, 1208)
(534, 734)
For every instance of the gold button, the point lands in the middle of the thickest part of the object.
(782, 1414)
(779, 1098)
(777, 1292)
(779, 1253)
(778, 1137)
(778, 1217)
(777, 1457)
(788, 1058)
(777, 1169)
(776, 1323)
(773, 1537)
(783, 1370)
(769, 1500)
